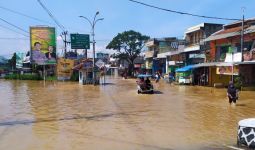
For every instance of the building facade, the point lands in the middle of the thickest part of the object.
(230, 61)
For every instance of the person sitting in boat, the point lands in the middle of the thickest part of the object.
(148, 83)
(142, 83)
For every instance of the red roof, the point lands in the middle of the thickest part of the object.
(235, 29)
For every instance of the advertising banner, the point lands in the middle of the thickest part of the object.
(148, 64)
(43, 45)
(249, 55)
(227, 70)
(137, 65)
(88, 64)
(19, 60)
(64, 68)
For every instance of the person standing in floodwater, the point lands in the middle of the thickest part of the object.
(232, 93)
(157, 77)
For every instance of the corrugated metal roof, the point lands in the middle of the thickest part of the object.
(221, 36)
(235, 29)
(251, 29)
(229, 33)
(211, 64)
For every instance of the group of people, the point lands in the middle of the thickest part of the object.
(144, 84)
(39, 57)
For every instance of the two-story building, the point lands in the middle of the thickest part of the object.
(152, 49)
(195, 49)
(228, 60)
(158, 53)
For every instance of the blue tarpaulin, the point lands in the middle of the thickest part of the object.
(144, 76)
(184, 69)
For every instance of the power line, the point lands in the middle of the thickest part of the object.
(51, 15)
(27, 16)
(3, 38)
(13, 25)
(20, 29)
(58, 23)
(13, 30)
(183, 13)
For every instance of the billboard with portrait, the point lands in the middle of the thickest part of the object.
(43, 45)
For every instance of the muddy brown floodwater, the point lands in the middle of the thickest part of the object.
(69, 116)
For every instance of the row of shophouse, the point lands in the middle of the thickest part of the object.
(210, 54)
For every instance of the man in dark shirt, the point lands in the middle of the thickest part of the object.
(50, 55)
(232, 93)
(37, 56)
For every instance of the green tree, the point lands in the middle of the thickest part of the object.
(128, 45)
(12, 62)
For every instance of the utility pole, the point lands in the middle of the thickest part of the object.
(65, 42)
(242, 36)
(94, 43)
(86, 54)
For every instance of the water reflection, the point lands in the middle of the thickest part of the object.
(66, 115)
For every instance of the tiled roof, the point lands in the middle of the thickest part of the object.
(230, 33)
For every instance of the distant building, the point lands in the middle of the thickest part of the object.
(103, 56)
(195, 50)
(158, 53)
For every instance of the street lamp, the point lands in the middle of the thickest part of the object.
(93, 36)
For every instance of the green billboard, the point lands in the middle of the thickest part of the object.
(80, 41)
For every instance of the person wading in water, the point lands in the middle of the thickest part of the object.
(232, 93)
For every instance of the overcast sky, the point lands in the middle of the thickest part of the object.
(119, 16)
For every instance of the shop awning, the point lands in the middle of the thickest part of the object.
(210, 64)
(213, 64)
(246, 63)
(186, 68)
(225, 64)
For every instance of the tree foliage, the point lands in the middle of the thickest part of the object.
(128, 45)
(12, 61)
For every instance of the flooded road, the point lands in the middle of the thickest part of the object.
(65, 116)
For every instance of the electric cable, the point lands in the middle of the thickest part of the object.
(13, 30)
(24, 15)
(182, 13)
(51, 15)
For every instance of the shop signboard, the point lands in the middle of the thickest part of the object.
(171, 63)
(227, 70)
(88, 64)
(137, 65)
(19, 60)
(80, 41)
(148, 64)
(64, 68)
(43, 45)
(249, 55)
(100, 63)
